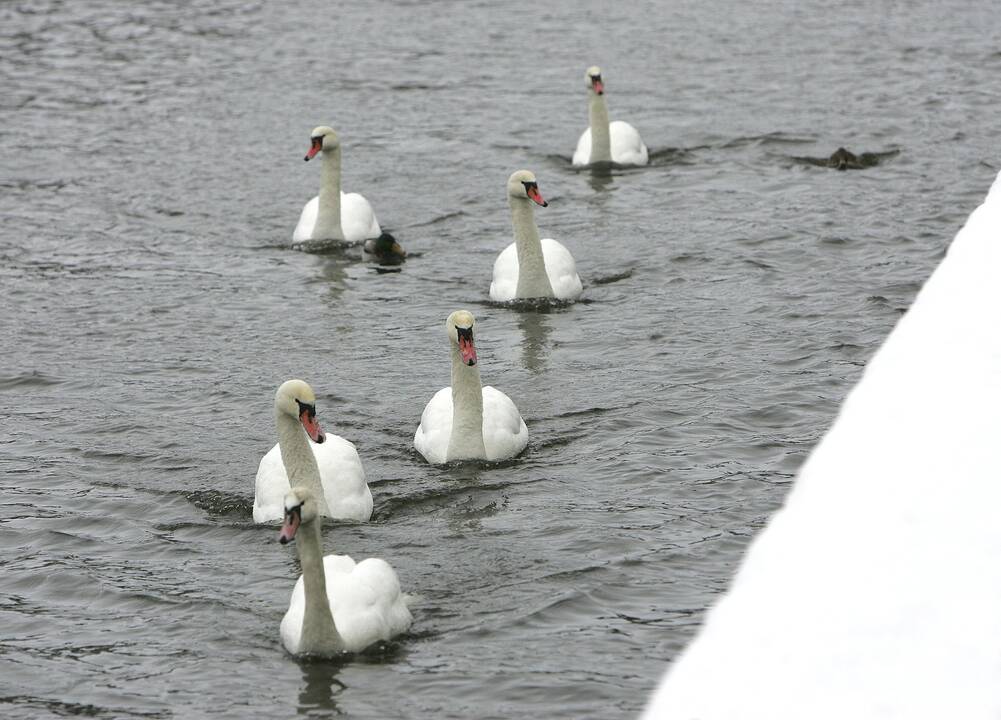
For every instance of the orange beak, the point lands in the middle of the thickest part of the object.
(535, 196)
(314, 148)
(312, 426)
(289, 526)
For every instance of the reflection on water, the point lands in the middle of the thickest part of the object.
(600, 176)
(333, 271)
(535, 330)
(320, 687)
(467, 516)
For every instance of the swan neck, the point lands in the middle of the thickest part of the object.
(319, 633)
(533, 281)
(466, 440)
(601, 146)
(328, 216)
(298, 459)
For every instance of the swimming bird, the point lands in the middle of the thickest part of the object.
(385, 250)
(342, 492)
(337, 605)
(334, 215)
(468, 421)
(530, 267)
(603, 142)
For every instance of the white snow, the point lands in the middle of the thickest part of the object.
(876, 591)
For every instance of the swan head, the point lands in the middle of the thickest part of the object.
(322, 138)
(594, 84)
(296, 398)
(522, 185)
(459, 327)
(300, 509)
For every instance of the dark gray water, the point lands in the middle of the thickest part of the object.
(150, 179)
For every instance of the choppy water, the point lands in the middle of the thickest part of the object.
(150, 178)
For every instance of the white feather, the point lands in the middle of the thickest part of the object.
(626, 145)
(560, 268)
(358, 221)
(341, 474)
(505, 434)
(365, 601)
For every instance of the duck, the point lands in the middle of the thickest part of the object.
(334, 215)
(529, 267)
(343, 493)
(604, 142)
(337, 606)
(842, 159)
(467, 421)
(384, 250)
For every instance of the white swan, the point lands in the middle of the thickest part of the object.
(467, 421)
(334, 215)
(617, 142)
(530, 267)
(337, 605)
(342, 491)
(874, 592)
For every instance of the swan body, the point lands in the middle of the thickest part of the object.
(874, 592)
(334, 215)
(531, 267)
(358, 221)
(504, 432)
(616, 142)
(561, 271)
(341, 476)
(337, 605)
(343, 493)
(467, 421)
(625, 146)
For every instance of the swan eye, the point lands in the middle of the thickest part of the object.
(464, 333)
(308, 408)
(529, 186)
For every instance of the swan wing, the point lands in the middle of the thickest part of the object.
(582, 155)
(341, 475)
(366, 602)
(270, 487)
(291, 627)
(307, 221)
(335, 568)
(358, 221)
(626, 144)
(504, 286)
(561, 269)
(343, 479)
(504, 432)
(432, 436)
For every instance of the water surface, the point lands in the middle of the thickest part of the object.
(151, 178)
